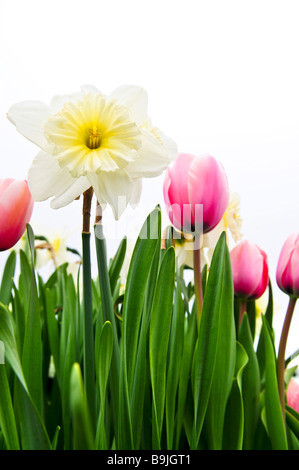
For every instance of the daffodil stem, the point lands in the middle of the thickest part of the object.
(88, 337)
(197, 283)
(281, 352)
(87, 198)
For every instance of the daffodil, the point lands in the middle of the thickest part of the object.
(88, 139)
(51, 251)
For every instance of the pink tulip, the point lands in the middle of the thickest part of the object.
(287, 273)
(16, 206)
(250, 270)
(293, 395)
(191, 182)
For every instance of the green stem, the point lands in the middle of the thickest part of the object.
(88, 336)
(197, 283)
(281, 352)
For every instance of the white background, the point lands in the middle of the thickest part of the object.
(222, 78)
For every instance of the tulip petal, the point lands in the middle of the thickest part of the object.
(293, 394)
(176, 192)
(264, 279)
(47, 179)
(29, 117)
(16, 206)
(208, 186)
(284, 270)
(250, 270)
(295, 268)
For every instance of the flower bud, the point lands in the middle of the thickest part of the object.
(250, 270)
(293, 395)
(16, 206)
(196, 192)
(287, 272)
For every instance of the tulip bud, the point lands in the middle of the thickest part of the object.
(16, 206)
(287, 278)
(293, 395)
(250, 270)
(287, 273)
(191, 182)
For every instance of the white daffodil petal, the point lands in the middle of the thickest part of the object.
(58, 101)
(78, 187)
(135, 98)
(90, 88)
(29, 117)
(136, 193)
(169, 144)
(152, 158)
(114, 188)
(47, 179)
(91, 139)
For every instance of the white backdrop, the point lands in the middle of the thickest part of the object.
(222, 78)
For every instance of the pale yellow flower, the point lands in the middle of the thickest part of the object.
(232, 221)
(90, 139)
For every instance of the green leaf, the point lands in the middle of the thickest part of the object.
(53, 329)
(225, 358)
(135, 301)
(7, 417)
(205, 353)
(251, 385)
(269, 317)
(82, 428)
(136, 287)
(7, 278)
(117, 263)
(88, 336)
(141, 381)
(33, 432)
(104, 354)
(24, 279)
(273, 413)
(108, 310)
(34, 435)
(32, 348)
(66, 368)
(234, 415)
(159, 339)
(7, 336)
(190, 338)
(55, 438)
(140, 404)
(292, 419)
(176, 346)
(19, 314)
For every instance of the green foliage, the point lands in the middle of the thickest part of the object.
(127, 367)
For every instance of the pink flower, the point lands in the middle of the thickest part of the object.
(191, 182)
(293, 395)
(287, 273)
(16, 206)
(250, 270)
